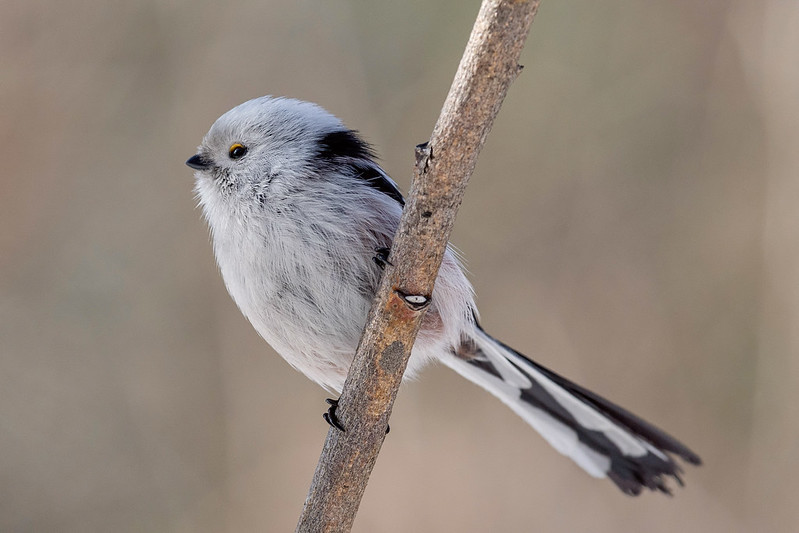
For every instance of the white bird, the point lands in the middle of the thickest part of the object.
(301, 218)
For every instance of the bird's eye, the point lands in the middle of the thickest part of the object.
(237, 151)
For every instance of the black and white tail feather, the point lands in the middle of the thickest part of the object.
(601, 437)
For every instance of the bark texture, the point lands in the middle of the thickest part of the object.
(443, 167)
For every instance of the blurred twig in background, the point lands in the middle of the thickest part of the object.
(443, 167)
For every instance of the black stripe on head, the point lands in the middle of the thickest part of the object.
(345, 147)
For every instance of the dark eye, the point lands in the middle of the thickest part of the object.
(237, 151)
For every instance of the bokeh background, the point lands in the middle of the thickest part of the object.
(631, 223)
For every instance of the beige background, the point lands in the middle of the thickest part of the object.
(632, 223)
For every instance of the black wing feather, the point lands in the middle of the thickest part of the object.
(347, 148)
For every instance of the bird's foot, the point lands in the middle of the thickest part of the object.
(381, 258)
(330, 416)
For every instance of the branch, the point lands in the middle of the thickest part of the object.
(443, 167)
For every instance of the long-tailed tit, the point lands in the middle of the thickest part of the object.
(301, 217)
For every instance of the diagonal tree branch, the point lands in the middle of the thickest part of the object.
(443, 167)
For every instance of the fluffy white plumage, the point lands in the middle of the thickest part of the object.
(298, 213)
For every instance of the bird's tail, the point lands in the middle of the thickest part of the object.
(601, 437)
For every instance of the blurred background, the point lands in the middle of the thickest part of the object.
(631, 223)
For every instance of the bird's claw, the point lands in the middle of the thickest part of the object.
(381, 258)
(330, 416)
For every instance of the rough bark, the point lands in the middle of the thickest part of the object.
(443, 167)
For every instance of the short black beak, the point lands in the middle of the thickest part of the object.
(197, 162)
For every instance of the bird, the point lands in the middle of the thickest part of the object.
(301, 218)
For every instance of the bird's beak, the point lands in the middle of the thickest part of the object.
(198, 162)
